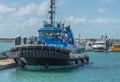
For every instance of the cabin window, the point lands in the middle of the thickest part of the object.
(66, 35)
(89, 45)
(100, 43)
(56, 34)
(41, 34)
(49, 34)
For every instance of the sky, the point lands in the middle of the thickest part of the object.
(89, 18)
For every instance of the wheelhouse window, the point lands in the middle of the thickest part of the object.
(49, 34)
(44, 34)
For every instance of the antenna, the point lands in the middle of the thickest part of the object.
(79, 38)
(52, 12)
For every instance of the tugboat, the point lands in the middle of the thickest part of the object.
(54, 49)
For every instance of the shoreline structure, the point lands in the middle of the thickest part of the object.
(77, 40)
(7, 39)
(7, 64)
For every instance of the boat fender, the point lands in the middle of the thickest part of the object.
(76, 61)
(87, 59)
(11, 50)
(82, 60)
(23, 61)
(15, 49)
(23, 64)
(52, 48)
(30, 47)
(47, 54)
(37, 48)
(15, 59)
(58, 49)
(46, 66)
(23, 48)
(21, 54)
(39, 54)
(44, 54)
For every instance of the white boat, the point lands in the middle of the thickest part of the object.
(89, 45)
(101, 44)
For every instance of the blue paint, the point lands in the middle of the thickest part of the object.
(55, 34)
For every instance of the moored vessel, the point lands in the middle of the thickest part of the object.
(89, 45)
(116, 47)
(102, 44)
(55, 47)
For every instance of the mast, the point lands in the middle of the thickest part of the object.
(52, 12)
(79, 39)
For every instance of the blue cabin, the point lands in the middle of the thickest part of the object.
(53, 34)
(57, 36)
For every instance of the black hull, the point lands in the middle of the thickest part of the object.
(44, 61)
(99, 49)
(45, 64)
(51, 62)
(37, 55)
(41, 55)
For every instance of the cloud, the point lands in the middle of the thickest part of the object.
(102, 11)
(86, 20)
(19, 26)
(5, 9)
(33, 21)
(23, 19)
(33, 9)
(60, 2)
(43, 8)
(25, 10)
(28, 27)
(106, 21)
(77, 20)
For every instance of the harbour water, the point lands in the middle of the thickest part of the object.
(5, 46)
(103, 67)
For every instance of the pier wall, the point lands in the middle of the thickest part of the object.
(7, 63)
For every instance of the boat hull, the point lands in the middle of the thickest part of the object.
(115, 50)
(45, 64)
(99, 49)
(42, 67)
(46, 57)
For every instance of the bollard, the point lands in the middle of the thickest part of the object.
(25, 40)
(19, 40)
(16, 41)
(35, 39)
(31, 40)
